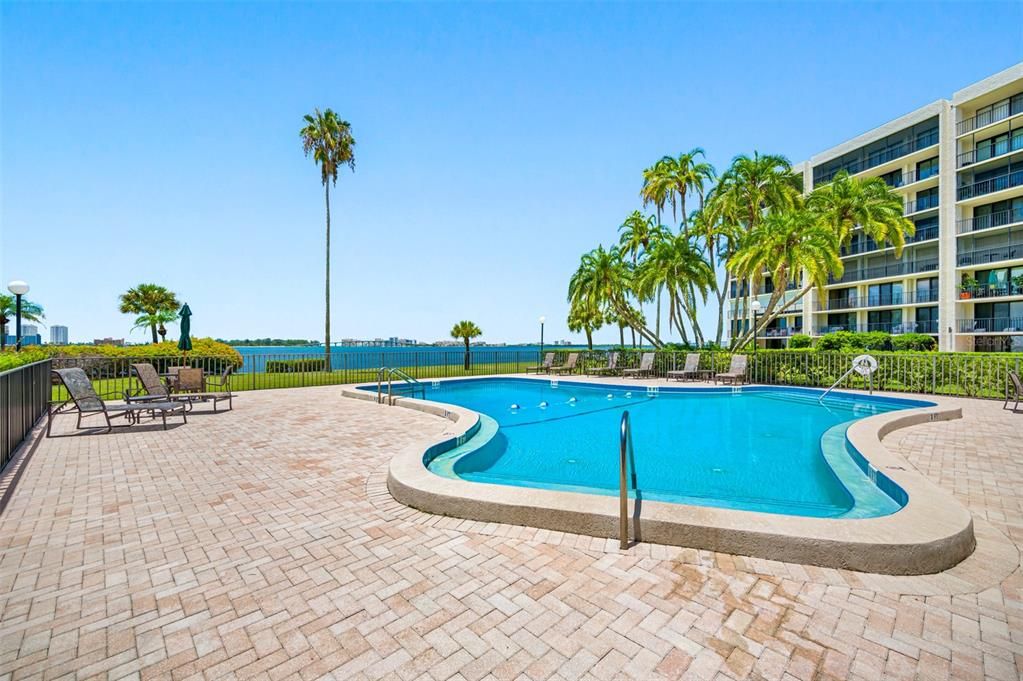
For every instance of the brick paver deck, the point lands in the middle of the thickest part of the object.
(261, 543)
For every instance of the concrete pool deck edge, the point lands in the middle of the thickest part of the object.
(932, 533)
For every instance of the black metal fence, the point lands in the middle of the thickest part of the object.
(964, 374)
(24, 396)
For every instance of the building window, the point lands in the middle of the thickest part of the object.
(927, 199)
(928, 168)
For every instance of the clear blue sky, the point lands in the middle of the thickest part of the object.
(496, 143)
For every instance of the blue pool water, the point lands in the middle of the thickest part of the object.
(763, 449)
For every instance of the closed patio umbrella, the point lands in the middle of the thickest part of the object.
(185, 342)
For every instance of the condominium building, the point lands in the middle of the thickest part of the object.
(58, 335)
(958, 164)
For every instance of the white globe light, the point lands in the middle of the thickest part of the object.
(543, 319)
(18, 287)
(756, 306)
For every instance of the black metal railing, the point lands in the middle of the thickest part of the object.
(781, 332)
(993, 291)
(24, 396)
(983, 256)
(985, 152)
(857, 301)
(907, 177)
(867, 245)
(992, 325)
(881, 156)
(921, 204)
(999, 219)
(994, 184)
(997, 113)
(894, 328)
(880, 271)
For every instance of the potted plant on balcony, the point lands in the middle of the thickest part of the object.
(967, 288)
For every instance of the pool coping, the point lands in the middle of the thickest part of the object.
(932, 533)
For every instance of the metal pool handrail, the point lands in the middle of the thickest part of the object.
(623, 492)
(391, 373)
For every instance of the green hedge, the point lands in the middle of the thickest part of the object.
(290, 366)
(9, 359)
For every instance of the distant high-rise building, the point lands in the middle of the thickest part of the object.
(58, 335)
(29, 330)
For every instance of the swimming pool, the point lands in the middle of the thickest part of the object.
(767, 449)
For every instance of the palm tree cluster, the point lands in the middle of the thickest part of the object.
(153, 305)
(752, 223)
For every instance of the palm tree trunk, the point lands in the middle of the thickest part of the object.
(326, 321)
(589, 339)
(657, 323)
(621, 335)
(3, 336)
(633, 329)
(466, 353)
(152, 328)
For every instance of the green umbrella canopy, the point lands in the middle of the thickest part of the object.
(185, 342)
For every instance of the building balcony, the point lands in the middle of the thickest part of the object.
(991, 185)
(983, 256)
(908, 177)
(780, 333)
(991, 291)
(882, 156)
(995, 114)
(918, 205)
(992, 325)
(895, 299)
(1000, 219)
(986, 152)
(929, 327)
(869, 245)
(891, 270)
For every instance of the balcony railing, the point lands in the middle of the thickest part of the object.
(988, 151)
(907, 177)
(987, 255)
(994, 291)
(917, 205)
(993, 115)
(992, 325)
(869, 245)
(855, 301)
(882, 156)
(999, 219)
(890, 270)
(894, 328)
(781, 333)
(994, 184)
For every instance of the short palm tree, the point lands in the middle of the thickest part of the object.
(149, 301)
(868, 203)
(30, 312)
(329, 139)
(586, 319)
(784, 244)
(160, 319)
(604, 280)
(466, 331)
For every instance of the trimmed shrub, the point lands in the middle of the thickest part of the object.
(851, 341)
(914, 341)
(800, 340)
(9, 359)
(290, 366)
(114, 360)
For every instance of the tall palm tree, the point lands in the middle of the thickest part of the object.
(686, 175)
(466, 331)
(848, 202)
(582, 317)
(637, 233)
(149, 300)
(656, 188)
(681, 270)
(784, 245)
(329, 139)
(751, 188)
(30, 312)
(604, 280)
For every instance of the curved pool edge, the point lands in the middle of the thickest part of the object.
(932, 533)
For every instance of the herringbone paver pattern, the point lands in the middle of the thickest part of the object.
(261, 543)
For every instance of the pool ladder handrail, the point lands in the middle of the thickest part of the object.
(623, 491)
(391, 373)
(870, 383)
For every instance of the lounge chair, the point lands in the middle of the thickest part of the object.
(736, 371)
(691, 369)
(545, 366)
(84, 401)
(188, 380)
(610, 369)
(646, 366)
(569, 365)
(1014, 385)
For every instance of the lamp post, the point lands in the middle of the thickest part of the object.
(542, 320)
(18, 288)
(755, 306)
